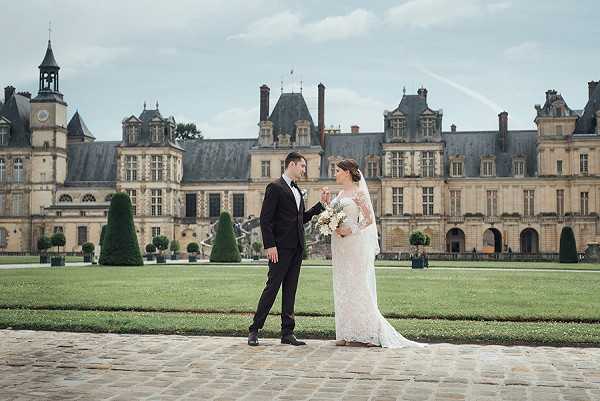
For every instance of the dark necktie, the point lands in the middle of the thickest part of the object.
(295, 186)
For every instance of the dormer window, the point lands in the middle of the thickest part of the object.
(372, 167)
(457, 166)
(398, 125)
(283, 140)
(302, 133)
(519, 167)
(488, 167)
(427, 126)
(155, 130)
(4, 131)
(131, 134)
(265, 137)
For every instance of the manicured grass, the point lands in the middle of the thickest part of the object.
(307, 327)
(15, 260)
(429, 294)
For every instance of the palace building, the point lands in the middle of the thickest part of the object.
(486, 190)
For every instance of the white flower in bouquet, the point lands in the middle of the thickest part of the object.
(330, 219)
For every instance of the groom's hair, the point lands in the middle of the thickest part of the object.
(293, 157)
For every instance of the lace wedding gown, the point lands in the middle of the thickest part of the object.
(357, 316)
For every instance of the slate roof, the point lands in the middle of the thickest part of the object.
(77, 128)
(49, 60)
(17, 110)
(144, 139)
(412, 106)
(586, 124)
(92, 162)
(290, 108)
(473, 145)
(351, 146)
(217, 159)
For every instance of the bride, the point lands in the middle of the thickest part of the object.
(353, 249)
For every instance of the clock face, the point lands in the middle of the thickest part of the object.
(43, 115)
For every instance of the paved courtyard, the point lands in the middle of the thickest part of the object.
(63, 366)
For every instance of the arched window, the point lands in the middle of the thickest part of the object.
(18, 170)
(88, 198)
(65, 198)
(3, 237)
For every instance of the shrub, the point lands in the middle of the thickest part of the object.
(193, 247)
(102, 235)
(44, 243)
(58, 240)
(88, 248)
(568, 246)
(161, 243)
(225, 248)
(418, 238)
(120, 244)
(150, 248)
(175, 247)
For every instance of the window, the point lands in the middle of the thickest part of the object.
(65, 198)
(2, 203)
(132, 193)
(519, 168)
(58, 229)
(214, 205)
(583, 163)
(3, 237)
(455, 203)
(397, 165)
(528, 202)
(560, 202)
(397, 201)
(487, 168)
(398, 126)
(491, 203)
(427, 126)
(427, 201)
(88, 198)
(17, 204)
(58, 213)
(156, 168)
(18, 170)
(559, 130)
(155, 133)
(456, 168)
(2, 170)
(131, 137)
(238, 205)
(155, 232)
(375, 201)
(282, 165)
(265, 134)
(584, 198)
(559, 167)
(332, 169)
(131, 168)
(3, 136)
(108, 198)
(156, 202)
(82, 235)
(82, 213)
(427, 164)
(265, 168)
(372, 168)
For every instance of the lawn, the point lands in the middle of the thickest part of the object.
(438, 305)
(15, 260)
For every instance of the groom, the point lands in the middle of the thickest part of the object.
(282, 220)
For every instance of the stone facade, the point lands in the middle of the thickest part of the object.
(492, 191)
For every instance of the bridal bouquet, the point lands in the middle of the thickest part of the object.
(330, 219)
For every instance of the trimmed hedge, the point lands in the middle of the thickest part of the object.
(568, 246)
(120, 245)
(225, 247)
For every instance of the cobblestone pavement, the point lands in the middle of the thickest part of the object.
(64, 366)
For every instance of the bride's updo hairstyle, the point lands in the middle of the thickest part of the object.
(351, 166)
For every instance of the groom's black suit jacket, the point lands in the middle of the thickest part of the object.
(281, 222)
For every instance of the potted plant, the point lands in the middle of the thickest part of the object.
(193, 248)
(150, 249)
(58, 240)
(44, 243)
(417, 238)
(88, 252)
(174, 247)
(256, 247)
(161, 243)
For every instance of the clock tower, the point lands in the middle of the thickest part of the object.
(48, 136)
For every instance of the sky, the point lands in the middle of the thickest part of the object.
(204, 61)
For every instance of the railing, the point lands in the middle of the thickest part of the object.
(455, 219)
(477, 256)
(491, 219)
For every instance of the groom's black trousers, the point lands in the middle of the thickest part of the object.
(283, 274)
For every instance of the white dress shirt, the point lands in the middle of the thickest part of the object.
(295, 191)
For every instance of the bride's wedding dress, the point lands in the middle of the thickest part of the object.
(357, 316)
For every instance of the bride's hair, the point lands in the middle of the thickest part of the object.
(351, 166)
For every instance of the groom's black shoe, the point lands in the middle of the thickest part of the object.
(291, 340)
(253, 338)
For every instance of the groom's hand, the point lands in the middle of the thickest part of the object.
(272, 254)
(325, 195)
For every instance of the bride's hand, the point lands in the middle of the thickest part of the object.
(343, 231)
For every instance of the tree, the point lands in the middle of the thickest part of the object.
(43, 244)
(120, 244)
(418, 238)
(175, 247)
(88, 248)
(187, 131)
(568, 246)
(150, 248)
(225, 247)
(161, 243)
(58, 240)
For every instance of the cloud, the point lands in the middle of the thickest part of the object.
(428, 13)
(524, 51)
(287, 25)
(237, 122)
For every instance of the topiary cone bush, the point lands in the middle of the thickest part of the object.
(568, 246)
(120, 244)
(225, 247)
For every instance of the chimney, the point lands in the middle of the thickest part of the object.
(9, 91)
(422, 92)
(25, 94)
(503, 129)
(321, 116)
(453, 128)
(591, 87)
(355, 129)
(264, 103)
